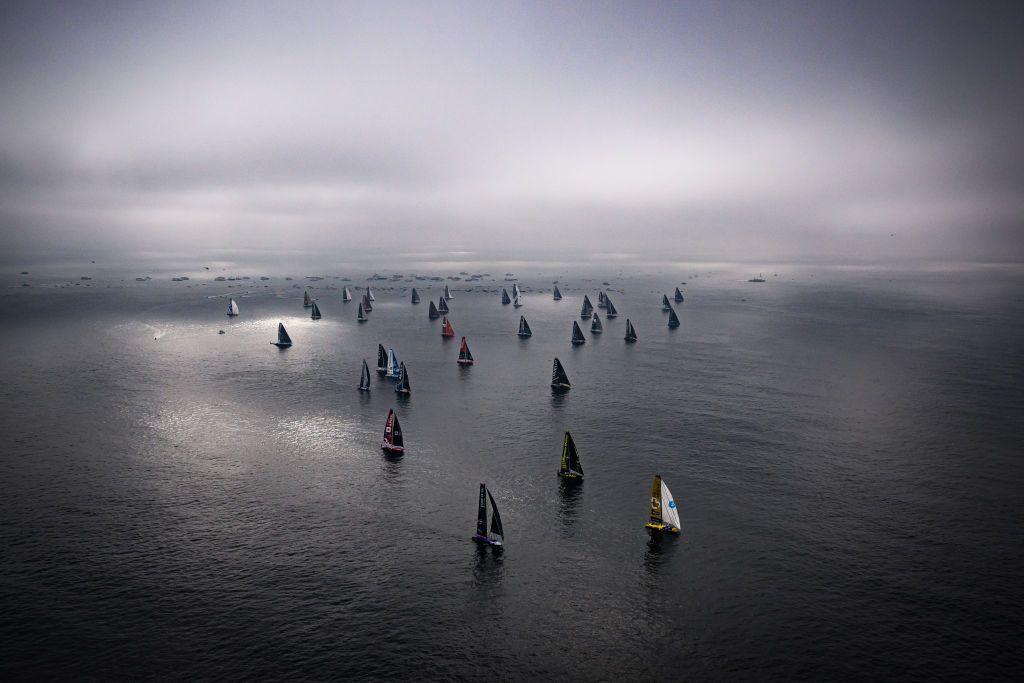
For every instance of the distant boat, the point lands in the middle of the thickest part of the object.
(678, 296)
(382, 360)
(367, 306)
(577, 334)
(232, 308)
(665, 305)
(364, 377)
(465, 357)
(402, 386)
(415, 296)
(361, 317)
(673, 319)
(369, 294)
(630, 332)
(393, 441)
(307, 301)
(600, 299)
(524, 328)
(442, 305)
(448, 293)
(571, 467)
(432, 313)
(315, 314)
(446, 328)
(283, 340)
(346, 295)
(595, 326)
(504, 297)
(517, 298)
(559, 380)
(557, 295)
(588, 308)
(664, 514)
(759, 278)
(394, 367)
(495, 535)
(609, 308)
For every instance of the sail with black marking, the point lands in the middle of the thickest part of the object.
(465, 356)
(415, 296)
(346, 295)
(571, 467)
(481, 514)
(382, 360)
(609, 308)
(630, 332)
(433, 313)
(364, 377)
(559, 379)
(517, 299)
(307, 301)
(232, 308)
(402, 386)
(673, 319)
(504, 297)
(447, 293)
(595, 326)
(557, 295)
(394, 367)
(587, 309)
(678, 296)
(515, 290)
(315, 313)
(524, 328)
(442, 305)
(369, 294)
(665, 305)
(577, 334)
(393, 441)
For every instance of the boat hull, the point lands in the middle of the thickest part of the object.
(403, 392)
(388, 448)
(561, 387)
(571, 476)
(576, 342)
(524, 336)
(281, 345)
(661, 527)
(463, 361)
(486, 541)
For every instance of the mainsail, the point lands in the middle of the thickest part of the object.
(571, 467)
(557, 295)
(315, 314)
(402, 386)
(678, 296)
(465, 357)
(442, 305)
(559, 379)
(504, 297)
(595, 326)
(432, 313)
(283, 340)
(393, 441)
(415, 296)
(364, 377)
(609, 309)
(577, 334)
(524, 328)
(346, 295)
(673, 319)
(630, 332)
(446, 328)
(587, 309)
(382, 360)
(307, 301)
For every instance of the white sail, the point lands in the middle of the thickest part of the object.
(392, 363)
(369, 294)
(669, 511)
(232, 308)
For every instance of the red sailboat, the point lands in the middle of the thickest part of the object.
(446, 328)
(393, 442)
(465, 357)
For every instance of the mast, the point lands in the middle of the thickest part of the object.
(595, 326)
(577, 334)
(364, 377)
(432, 313)
(587, 309)
(673, 319)
(382, 359)
(315, 315)
(557, 295)
(559, 380)
(504, 297)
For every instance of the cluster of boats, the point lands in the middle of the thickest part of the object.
(664, 515)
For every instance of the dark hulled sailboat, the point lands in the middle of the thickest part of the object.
(433, 313)
(382, 360)
(465, 357)
(315, 313)
(609, 309)
(588, 308)
(283, 340)
(415, 296)
(577, 334)
(364, 377)
(442, 305)
(630, 332)
(495, 534)
(446, 328)
(393, 441)
(504, 297)
(559, 380)
(595, 325)
(402, 385)
(673, 319)
(524, 328)
(557, 295)
(678, 296)
(571, 468)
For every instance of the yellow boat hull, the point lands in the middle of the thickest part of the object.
(661, 527)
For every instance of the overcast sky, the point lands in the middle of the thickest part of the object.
(811, 131)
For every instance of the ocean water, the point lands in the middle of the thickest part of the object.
(845, 448)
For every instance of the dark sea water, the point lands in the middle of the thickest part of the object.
(845, 449)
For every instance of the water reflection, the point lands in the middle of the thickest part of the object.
(569, 495)
(660, 548)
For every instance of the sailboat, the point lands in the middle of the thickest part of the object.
(517, 299)
(442, 305)
(465, 357)
(402, 385)
(673, 319)
(361, 317)
(415, 296)
(595, 326)
(494, 535)
(367, 306)
(394, 367)
(432, 313)
(515, 290)
(678, 296)
(557, 295)
(609, 309)
(630, 332)
(448, 293)
(315, 314)
(232, 308)
(307, 300)
(346, 295)
(504, 297)
(559, 380)
(587, 309)
(665, 305)
(369, 294)
(393, 441)
(364, 377)
(577, 334)
(382, 360)
(664, 513)
(283, 340)
(524, 328)
(446, 328)
(600, 299)
(571, 468)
